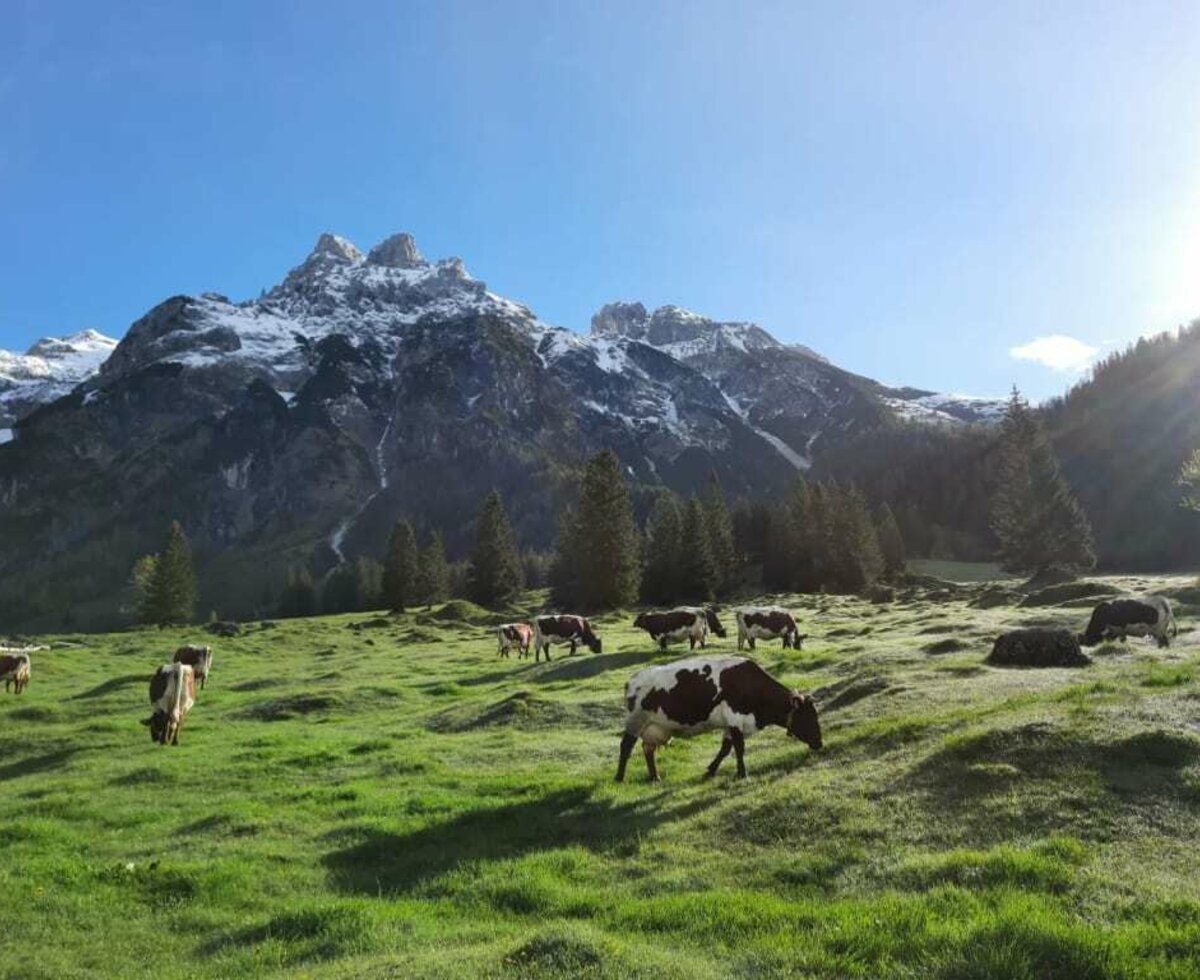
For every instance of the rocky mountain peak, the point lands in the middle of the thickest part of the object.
(620, 319)
(336, 247)
(398, 251)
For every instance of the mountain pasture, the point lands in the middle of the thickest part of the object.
(383, 796)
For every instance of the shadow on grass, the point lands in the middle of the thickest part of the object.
(36, 764)
(584, 665)
(112, 684)
(385, 863)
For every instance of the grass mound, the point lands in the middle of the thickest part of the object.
(1038, 648)
(948, 645)
(557, 952)
(525, 711)
(1056, 594)
(283, 709)
(464, 611)
(845, 693)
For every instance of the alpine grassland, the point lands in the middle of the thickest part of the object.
(378, 795)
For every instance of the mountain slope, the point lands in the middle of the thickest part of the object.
(48, 370)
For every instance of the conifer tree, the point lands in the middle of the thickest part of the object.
(891, 541)
(779, 550)
(339, 594)
(664, 535)
(697, 570)
(496, 573)
(1189, 479)
(799, 541)
(433, 574)
(400, 567)
(1035, 516)
(141, 583)
(299, 596)
(719, 526)
(368, 583)
(861, 560)
(172, 594)
(598, 563)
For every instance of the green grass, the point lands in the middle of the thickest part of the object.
(958, 571)
(372, 796)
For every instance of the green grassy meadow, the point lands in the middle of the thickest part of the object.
(389, 799)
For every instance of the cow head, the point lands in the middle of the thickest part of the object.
(640, 622)
(157, 723)
(714, 624)
(802, 721)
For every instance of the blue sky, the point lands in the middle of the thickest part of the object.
(914, 189)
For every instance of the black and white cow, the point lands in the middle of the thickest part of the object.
(1119, 618)
(14, 671)
(767, 623)
(697, 695)
(172, 694)
(199, 659)
(685, 622)
(567, 629)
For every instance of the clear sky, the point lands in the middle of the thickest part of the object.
(915, 189)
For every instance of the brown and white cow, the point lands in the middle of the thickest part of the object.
(199, 659)
(172, 694)
(685, 622)
(767, 623)
(566, 629)
(14, 669)
(733, 694)
(516, 636)
(1131, 616)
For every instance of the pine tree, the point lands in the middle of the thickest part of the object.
(891, 541)
(339, 594)
(1035, 516)
(719, 527)
(697, 570)
(368, 583)
(172, 595)
(860, 559)
(780, 544)
(664, 535)
(299, 596)
(799, 546)
(1189, 479)
(433, 574)
(597, 562)
(400, 567)
(495, 576)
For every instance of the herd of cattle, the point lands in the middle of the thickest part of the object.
(685, 698)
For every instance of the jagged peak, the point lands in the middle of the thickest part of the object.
(337, 247)
(398, 251)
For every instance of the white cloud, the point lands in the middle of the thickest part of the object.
(1057, 352)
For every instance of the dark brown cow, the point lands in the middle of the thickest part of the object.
(690, 622)
(1118, 618)
(697, 695)
(514, 635)
(199, 659)
(767, 623)
(14, 670)
(568, 629)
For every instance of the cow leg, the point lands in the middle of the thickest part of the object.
(691, 643)
(662, 644)
(627, 743)
(649, 751)
(750, 640)
(739, 750)
(726, 746)
(572, 648)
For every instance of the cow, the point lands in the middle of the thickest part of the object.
(518, 635)
(767, 623)
(199, 659)
(172, 694)
(14, 668)
(1147, 616)
(699, 694)
(562, 629)
(690, 622)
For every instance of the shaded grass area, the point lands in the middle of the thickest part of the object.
(380, 796)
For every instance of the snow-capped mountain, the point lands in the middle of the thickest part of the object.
(294, 428)
(48, 370)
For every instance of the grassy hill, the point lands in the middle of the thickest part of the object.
(378, 796)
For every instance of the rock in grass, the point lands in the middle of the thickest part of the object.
(226, 629)
(1038, 648)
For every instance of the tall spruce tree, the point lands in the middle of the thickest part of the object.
(860, 560)
(299, 596)
(368, 575)
(141, 584)
(719, 526)
(433, 574)
(1189, 479)
(779, 549)
(400, 567)
(798, 543)
(1035, 516)
(496, 573)
(697, 570)
(664, 535)
(891, 541)
(172, 594)
(598, 564)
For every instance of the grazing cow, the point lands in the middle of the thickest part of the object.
(172, 694)
(14, 669)
(562, 629)
(700, 695)
(518, 635)
(767, 623)
(690, 622)
(1148, 616)
(199, 659)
